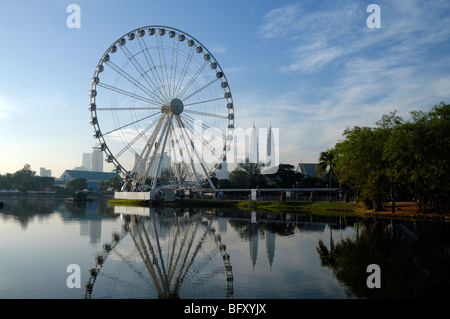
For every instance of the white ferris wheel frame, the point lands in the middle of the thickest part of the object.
(176, 98)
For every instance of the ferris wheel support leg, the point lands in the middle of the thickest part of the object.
(202, 163)
(166, 133)
(184, 138)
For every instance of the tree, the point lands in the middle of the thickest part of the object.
(253, 170)
(239, 179)
(285, 177)
(418, 156)
(326, 164)
(359, 162)
(77, 184)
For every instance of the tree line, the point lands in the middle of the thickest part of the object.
(25, 180)
(397, 159)
(248, 175)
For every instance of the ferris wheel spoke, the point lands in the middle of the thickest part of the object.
(202, 139)
(133, 95)
(204, 126)
(200, 159)
(205, 101)
(174, 65)
(151, 65)
(184, 70)
(136, 138)
(192, 80)
(206, 114)
(137, 65)
(127, 108)
(185, 140)
(133, 81)
(163, 65)
(126, 125)
(199, 90)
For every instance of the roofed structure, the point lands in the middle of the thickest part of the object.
(92, 177)
(307, 169)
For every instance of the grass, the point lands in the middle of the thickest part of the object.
(403, 211)
(292, 206)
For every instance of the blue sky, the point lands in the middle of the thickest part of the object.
(309, 68)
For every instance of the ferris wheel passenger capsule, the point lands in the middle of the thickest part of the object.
(227, 95)
(213, 65)
(181, 37)
(93, 121)
(231, 116)
(151, 31)
(121, 42)
(92, 107)
(100, 68)
(102, 147)
(207, 57)
(191, 42)
(93, 93)
(131, 36)
(106, 58)
(95, 80)
(162, 31)
(97, 134)
(224, 85)
(199, 49)
(171, 34)
(113, 49)
(229, 105)
(109, 159)
(219, 74)
(141, 33)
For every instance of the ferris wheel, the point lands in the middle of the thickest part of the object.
(161, 109)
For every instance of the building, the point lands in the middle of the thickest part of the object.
(307, 169)
(86, 162)
(96, 160)
(92, 177)
(45, 172)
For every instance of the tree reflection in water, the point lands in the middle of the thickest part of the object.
(414, 259)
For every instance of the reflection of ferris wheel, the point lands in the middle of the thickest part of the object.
(158, 96)
(173, 249)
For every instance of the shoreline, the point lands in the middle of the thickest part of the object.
(405, 211)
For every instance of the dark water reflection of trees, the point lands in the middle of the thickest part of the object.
(414, 259)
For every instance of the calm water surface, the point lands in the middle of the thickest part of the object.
(211, 253)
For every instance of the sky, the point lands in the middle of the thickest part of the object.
(309, 68)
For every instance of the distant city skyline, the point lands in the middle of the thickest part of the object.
(310, 68)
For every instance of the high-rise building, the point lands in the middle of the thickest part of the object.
(96, 160)
(86, 161)
(253, 154)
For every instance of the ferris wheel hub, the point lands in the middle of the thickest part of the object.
(176, 106)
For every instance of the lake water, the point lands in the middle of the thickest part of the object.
(49, 248)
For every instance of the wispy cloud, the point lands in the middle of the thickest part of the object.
(359, 73)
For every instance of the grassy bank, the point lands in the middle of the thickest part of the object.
(247, 205)
(403, 210)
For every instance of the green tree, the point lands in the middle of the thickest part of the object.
(77, 184)
(326, 165)
(223, 184)
(418, 156)
(359, 162)
(285, 177)
(239, 179)
(253, 170)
